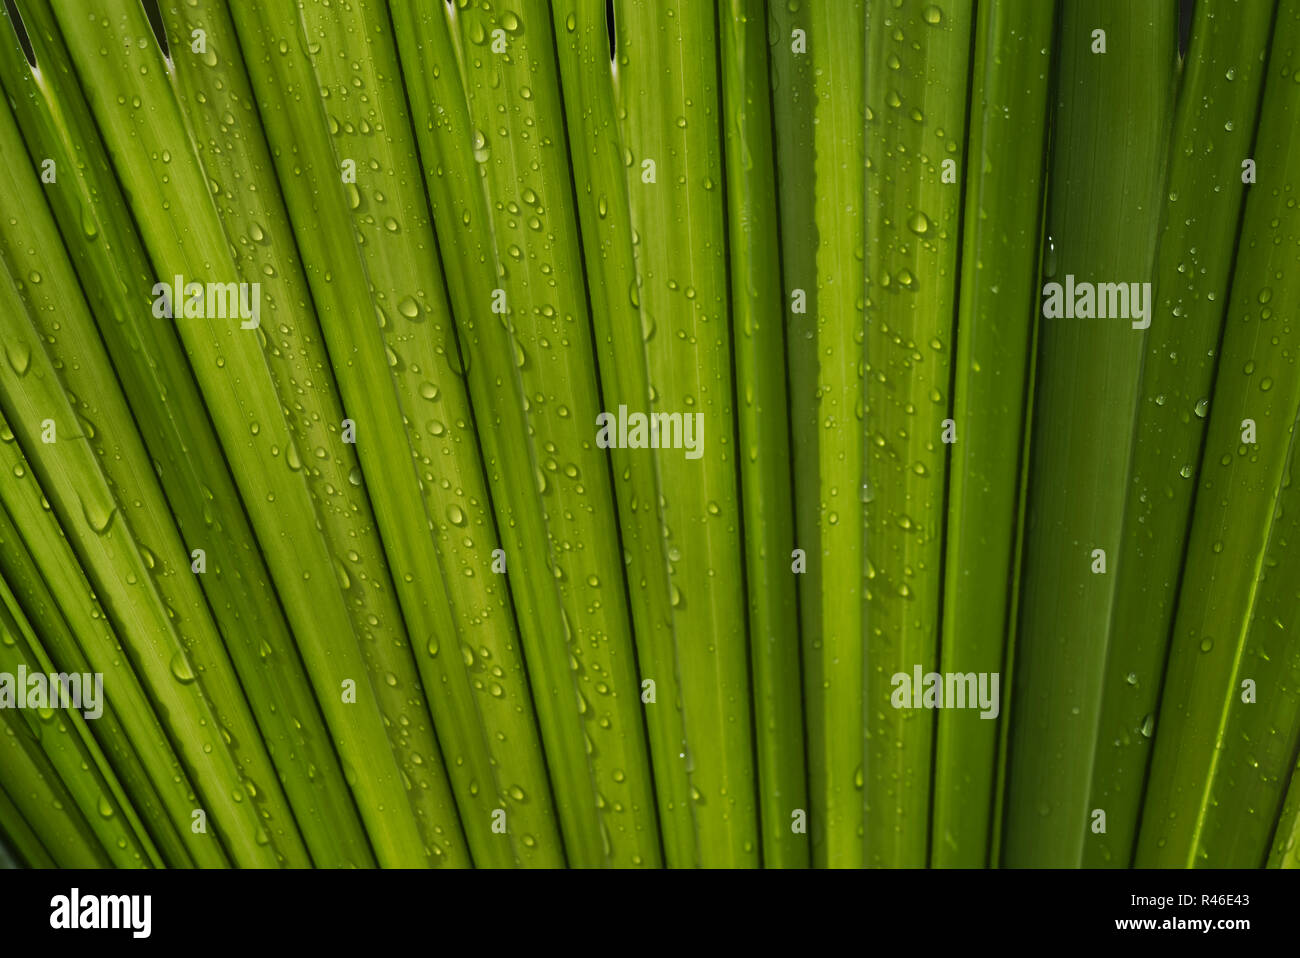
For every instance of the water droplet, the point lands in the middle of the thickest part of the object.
(19, 355)
(99, 515)
(180, 666)
(89, 225)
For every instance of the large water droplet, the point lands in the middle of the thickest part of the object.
(180, 666)
(19, 355)
(99, 515)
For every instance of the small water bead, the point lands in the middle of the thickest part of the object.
(1049, 257)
